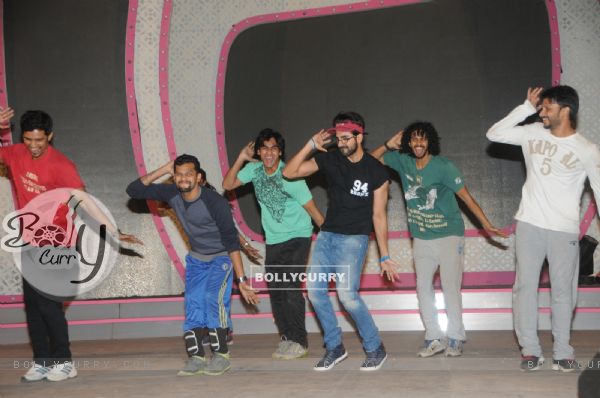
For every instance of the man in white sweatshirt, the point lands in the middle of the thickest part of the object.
(558, 160)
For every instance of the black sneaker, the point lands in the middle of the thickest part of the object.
(375, 359)
(530, 363)
(565, 365)
(331, 358)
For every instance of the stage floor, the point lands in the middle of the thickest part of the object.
(147, 368)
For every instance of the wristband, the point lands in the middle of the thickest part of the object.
(382, 259)
(241, 279)
(312, 142)
(385, 144)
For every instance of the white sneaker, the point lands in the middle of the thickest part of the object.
(431, 348)
(35, 373)
(62, 372)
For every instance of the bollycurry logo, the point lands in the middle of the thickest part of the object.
(61, 242)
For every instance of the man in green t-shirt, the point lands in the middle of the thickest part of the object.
(286, 211)
(431, 184)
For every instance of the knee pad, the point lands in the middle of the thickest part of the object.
(218, 340)
(193, 342)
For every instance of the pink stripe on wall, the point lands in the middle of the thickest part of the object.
(322, 11)
(163, 77)
(135, 130)
(5, 135)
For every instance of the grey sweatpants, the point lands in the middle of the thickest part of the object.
(447, 253)
(533, 244)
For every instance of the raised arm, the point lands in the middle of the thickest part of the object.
(231, 181)
(143, 187)
(474, 208)
(299, 166)
(506, 130)
(391, 144)
(380, 225)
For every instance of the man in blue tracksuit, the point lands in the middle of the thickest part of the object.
(215, 253)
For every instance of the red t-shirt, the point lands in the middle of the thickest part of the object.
(32, 177)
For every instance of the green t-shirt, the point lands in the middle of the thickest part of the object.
(429, 195)
(282, 215)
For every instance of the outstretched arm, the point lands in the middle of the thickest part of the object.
(474, 207)
(391, 144)
(380, 198)
(231, 181)
(300, 166)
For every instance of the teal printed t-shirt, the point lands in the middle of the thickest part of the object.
(281, 212)
(429, 195)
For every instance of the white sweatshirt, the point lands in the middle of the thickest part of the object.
(556, 171)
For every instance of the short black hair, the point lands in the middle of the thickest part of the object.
(430, 133)
(36, 120)
(185, 158)
(564, 96)
(266, 135)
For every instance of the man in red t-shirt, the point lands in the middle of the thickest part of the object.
(35, 167)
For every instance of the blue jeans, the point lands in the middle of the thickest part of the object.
(345, 254)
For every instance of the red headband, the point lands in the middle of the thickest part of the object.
(346, 125)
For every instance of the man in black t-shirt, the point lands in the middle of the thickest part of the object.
(358, 191)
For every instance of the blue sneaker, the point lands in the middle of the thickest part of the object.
(375, 359)
(331, 358)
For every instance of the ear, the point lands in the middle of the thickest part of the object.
(564, 112)
(359, 138)
(50, 136)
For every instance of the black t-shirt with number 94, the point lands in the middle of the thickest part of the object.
(350, 190)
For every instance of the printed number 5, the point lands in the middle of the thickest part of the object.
(546, 166)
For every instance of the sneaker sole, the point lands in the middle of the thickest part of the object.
(427, 355)
(452, 354)
(217, 373)
(291, 358)
(185, 373)
(372, 369)
(562, 369)
(66, 378)
(340, 359)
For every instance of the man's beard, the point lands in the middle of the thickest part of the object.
(185, 189)
(347, 152)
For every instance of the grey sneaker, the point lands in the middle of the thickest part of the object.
(293, 351)
(565, 365)
(530, 363)
(218, 364)
(281, 348)
(375, 359)
(194, 366)
(431, 348)
(454, 348)
(62, 371)
(35, 373)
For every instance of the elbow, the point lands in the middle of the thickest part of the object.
(131, 191)
(226, 186)
(287, 173)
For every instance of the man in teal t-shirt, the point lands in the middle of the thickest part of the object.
(431, 184)
(286, 211)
